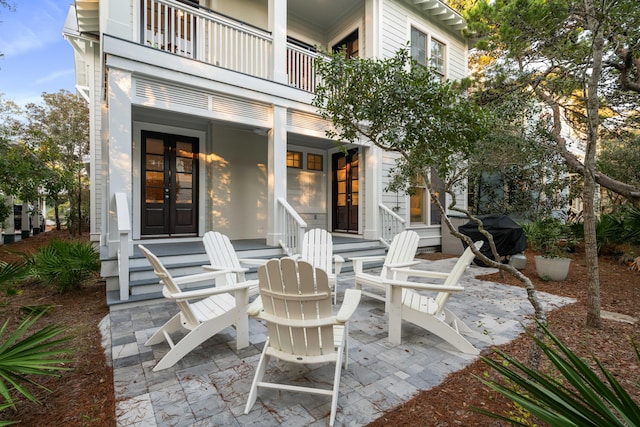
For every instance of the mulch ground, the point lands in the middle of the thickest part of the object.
(83, 396)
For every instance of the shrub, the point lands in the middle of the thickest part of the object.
(10, 274)
(23, 356)
(65, 264)
(587, 400)
(551, 237)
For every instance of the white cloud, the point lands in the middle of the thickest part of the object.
(31, 27)
(55, 75)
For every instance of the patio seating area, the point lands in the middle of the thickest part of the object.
(210, 385)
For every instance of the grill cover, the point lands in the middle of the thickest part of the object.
(508, 236)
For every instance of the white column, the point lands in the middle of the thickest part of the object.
(120, 154)
(278, 28)
(372, 183)
(372, 29)
(277, 175)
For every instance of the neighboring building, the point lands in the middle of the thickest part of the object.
(201, 116)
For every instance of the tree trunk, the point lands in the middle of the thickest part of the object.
(591, 245)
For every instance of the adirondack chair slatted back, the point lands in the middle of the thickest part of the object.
(222, 254)
(317, 248)
(296, 294)
(403, 248)
(170, 286)
(456, 274)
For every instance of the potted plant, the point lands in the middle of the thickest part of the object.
(554, 241)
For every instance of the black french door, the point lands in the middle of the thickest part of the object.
(345, 191)
(169, 184)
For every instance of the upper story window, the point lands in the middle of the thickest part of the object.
(349, 45)
(428, 51)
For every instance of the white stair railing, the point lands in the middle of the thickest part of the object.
(390, 224)
(292, 227)
(124, 228)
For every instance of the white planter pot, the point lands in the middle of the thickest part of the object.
(552, 268)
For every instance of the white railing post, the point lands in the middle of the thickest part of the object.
(292, 227)
(390, 224)
(124, 228)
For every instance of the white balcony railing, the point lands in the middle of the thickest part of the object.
(215, 39)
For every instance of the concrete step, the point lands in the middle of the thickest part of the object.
(184, 258)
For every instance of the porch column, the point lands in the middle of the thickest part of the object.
(372, 32)
(119, 167)
(278, 28)
(373, 191)
(277, 172)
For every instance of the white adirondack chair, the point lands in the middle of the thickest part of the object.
(401, 253)
(215, 309)
(295, 303)
(223, 256)
(317, 249)
(428, 312)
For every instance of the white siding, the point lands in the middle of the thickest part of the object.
(397, 20)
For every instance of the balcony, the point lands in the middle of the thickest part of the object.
(206, 36)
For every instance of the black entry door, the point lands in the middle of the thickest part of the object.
(169, 184)
(345, 191)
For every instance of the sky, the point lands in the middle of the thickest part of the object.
(36, 57)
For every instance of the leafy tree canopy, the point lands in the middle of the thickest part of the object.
(400, 106)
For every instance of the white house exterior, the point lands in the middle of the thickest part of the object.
(201, 117)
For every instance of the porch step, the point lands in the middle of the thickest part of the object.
(188, 257)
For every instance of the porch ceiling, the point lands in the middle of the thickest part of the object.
(322, 12)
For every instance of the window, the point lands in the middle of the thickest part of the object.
(294, 159)
(314, 162)
(428, 51)
(422, 211)
(349, 45)
(437, 56)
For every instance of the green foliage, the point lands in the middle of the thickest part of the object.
(10, 274)
(5, 210)
(575, 395)
(550, 236)
(619, 157)
(400, 106)
(23, 355)
(66, 264)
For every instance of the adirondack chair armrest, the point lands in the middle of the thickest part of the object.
(255, 307)
(358, 261)
(338, 261)
(349, 305)
(367, 258)
(253, 261)
(424, 286)
(408, 272)
(225, 269)
(200, 277)
(203, 293)
(403, 264)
